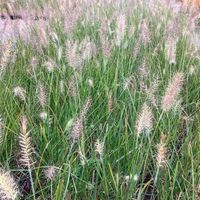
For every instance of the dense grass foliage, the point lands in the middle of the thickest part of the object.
(100, 100)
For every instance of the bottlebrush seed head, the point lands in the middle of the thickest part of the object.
(62, 86)
(33, 66)
(20, 93)
(6, 55)
(110, 101)
(73, 56)
(25, 144)
(129, 83)
(144, 122)
(106, 45)
(90, 82)
(162, 152)
(77, 130)
(172, 92)
(136, 48)
(143, 70)
(43, 116)
(85, 107)
(72, 88)
(87, 48)
(8, 187)
(82, 157)
(78, 124)
(145, 33)
(50, 172)
(120, 29)
(41, 94)
(151, 92)
(50, 65)
(99, 147)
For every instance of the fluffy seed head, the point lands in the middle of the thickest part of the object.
(50, 65)
(99, 147)
(72, 15)
(78, 124)
(129, 83)
(59, 53)
(8, 187)
(151, 96)
(62, 86)
(120, 29)
(43, 116)
(54, 37)
(42, 34)
(41, 94)
(110, 101)
(82, 157)
(50, 172)
(87, 48)
(25, 144)
(174, 28)
(144, 121)
(171, 94)
(106, 46)
(33, 66)
(161, 152)
(145, 34)
(20, 93)
(127, 179)
(77, 130)
(143, 70)
(34, 62)
(73, 56)
(72, 88)
(150, 92)
(90, 82)
(192, 70)
(85, 107)
(5, 55)
(198, 191)
(136, 48)
(136, 177)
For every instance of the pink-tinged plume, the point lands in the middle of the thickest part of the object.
(172, 92)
